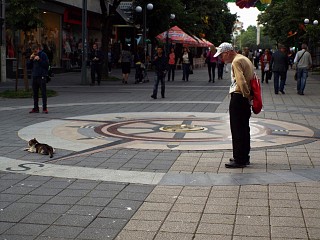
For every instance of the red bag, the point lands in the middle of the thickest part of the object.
(256, 94)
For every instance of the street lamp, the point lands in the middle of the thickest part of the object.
(307, 21)
(172, 17)
(139, 9)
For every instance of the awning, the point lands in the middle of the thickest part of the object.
(176, 35)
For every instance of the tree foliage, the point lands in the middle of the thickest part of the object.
(209, 18)
(284, 21)
(22, 16)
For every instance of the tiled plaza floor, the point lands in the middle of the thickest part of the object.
(117, 175)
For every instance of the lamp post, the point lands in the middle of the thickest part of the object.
(172, 17)
(139, 9)
(84, 79)
(310, 37)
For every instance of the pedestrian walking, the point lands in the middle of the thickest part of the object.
(239, 107)
(279, 65)
(212, 63)
(220, 67)
(187, 63)
(161, 64)
(303, 63)
(125, 60)
(39, 63)
(172, 64)
(265, 59)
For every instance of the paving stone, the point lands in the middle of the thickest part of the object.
(61, 232)
(138, 235)
(248, 230)
(173, 236)
(25, 229)
(179, 226)
(218, 229)
(288, 232)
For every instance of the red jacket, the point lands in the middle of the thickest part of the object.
(262, 61)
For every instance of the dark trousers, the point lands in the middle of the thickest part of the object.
(185, 71)
(160, 77)
(96, 69)
(268, 75)
(172, 68)
(212, 70)
(39, 83)
(220, 70)
(240, 112)
(282, 76)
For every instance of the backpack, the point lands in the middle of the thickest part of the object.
(256, 94)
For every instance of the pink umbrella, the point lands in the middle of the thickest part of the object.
(176, 35)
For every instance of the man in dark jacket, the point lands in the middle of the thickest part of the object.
(39, 64)
(279, 65)
(96, 59)
(161, 66)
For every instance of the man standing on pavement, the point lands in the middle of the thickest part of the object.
(161, 66)
(303, 62)
(279, 65)
(239, 107)
(39, 63)
(96, 59)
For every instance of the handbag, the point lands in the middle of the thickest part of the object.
(207, 60)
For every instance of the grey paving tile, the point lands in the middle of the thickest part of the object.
(62, 232)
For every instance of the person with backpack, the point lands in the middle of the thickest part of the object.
(39, 63)
(242, 71)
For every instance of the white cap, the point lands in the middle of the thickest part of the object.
(224, 47)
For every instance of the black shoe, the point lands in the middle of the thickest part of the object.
(209, 80)
(154, 97)
(162, 96)
(282, 92)
(235, 165)
(92, 84)
(276, 93)
(231, 160)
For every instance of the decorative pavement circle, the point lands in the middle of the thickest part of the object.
(161, 130)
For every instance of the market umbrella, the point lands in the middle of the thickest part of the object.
(176, 35)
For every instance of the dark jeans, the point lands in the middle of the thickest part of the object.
(96, 69)
(39, 83)
(268, 75)
(302, 75)
(240, 112)
(220, 70)
(185, 71)
(172, 68)
(282, 76)
(159, 77)
(212, 69)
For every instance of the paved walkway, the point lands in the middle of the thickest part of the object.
(120, 172)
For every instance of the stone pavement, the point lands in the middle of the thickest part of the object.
(120, 172)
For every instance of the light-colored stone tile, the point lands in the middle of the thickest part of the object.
(179, 227)
(173, 236)
(217, 218)
(251, 211)
(288, 232)
(252, 231)
(137, 235)
(183, 217)
(219, 229)
(252, 220)
(287, 222)
(212, 237)
(285, 212)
